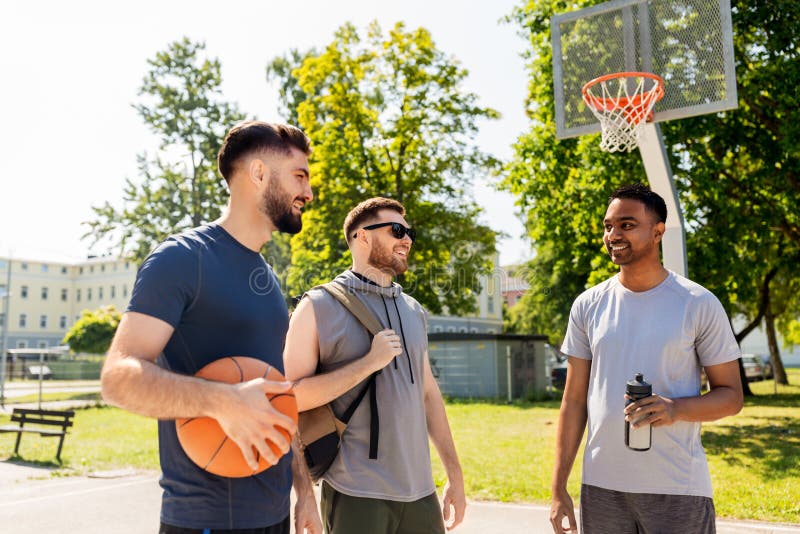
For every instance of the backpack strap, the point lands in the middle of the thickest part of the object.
(359, 310)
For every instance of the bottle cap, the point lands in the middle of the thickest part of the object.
(638, 386)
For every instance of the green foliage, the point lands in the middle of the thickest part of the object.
(562, 188)
(387, 116)
(182, 104)
(94, 331)
(737, 175)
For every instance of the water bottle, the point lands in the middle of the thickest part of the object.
(637, 439)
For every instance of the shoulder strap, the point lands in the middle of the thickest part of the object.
(360, 311)
(354, 306)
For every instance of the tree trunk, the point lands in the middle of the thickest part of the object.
(745, 384)
(778, 372)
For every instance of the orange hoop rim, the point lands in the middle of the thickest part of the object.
(623, 102)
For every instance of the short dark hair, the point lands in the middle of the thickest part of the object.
(652, 201)
(367, 211)
(257, 136)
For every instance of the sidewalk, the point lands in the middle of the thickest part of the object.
(127, 502)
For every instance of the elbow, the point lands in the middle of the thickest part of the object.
(111, 382)
(738, 401)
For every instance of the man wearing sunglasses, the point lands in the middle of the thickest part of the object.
(378, 484)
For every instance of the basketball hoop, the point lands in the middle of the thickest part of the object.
(623, 102)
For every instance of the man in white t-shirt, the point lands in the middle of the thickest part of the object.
(652, 321)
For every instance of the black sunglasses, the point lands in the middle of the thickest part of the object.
(398, 230)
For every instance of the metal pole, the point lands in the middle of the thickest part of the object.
(508, 372)
(41, 373)
(4, 343)
(659, 174)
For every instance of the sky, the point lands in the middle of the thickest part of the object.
(69, 136)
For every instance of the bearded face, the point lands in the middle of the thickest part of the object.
(278, 206)
(389, 255)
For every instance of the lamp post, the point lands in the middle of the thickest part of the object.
(5, 296)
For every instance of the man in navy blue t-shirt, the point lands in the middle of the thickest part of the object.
(205, 294)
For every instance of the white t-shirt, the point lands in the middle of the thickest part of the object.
(666, 333)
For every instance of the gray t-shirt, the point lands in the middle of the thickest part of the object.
(667, 333)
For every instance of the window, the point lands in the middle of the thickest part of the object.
(100, 293)
(437, 329)
(43, 344)
(44, 293)
(451, 328)
(3, 264)
(113, 292)
(490, 304)
(115, 266)
(473, 330)
(63, 270)
(2, 319)
(81, 270)
(125, 290)
(78, 295)
(64, 295)
(22, 344)
(45, 267)
(462, 330)
(23, 292)
(62, 321)
(91, 268)
(23, 320)
(127, 265)
(103, 267)
(43, 321)
(24, 266)
(88, 293)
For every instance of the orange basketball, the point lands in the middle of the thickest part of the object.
(203, 439)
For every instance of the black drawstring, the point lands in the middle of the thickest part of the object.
(403, 335)
(390, 325)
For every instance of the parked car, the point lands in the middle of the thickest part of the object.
(767, 365)
(556, 367)
(753, 367)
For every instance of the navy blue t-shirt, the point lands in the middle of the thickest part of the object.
(223, 300)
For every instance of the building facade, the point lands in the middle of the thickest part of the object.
(41, 300)
(488, 316)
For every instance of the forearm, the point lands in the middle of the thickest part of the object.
(142, 387)
(571, 425)
(720, 402)
(316, 390)
(301, 479)
(441, 436)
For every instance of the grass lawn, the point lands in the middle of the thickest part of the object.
(507, 450)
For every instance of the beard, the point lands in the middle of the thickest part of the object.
(277, 205)
(384, 260)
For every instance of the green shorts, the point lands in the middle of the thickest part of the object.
(344, 514)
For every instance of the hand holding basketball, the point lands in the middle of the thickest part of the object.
(251, 428)
(254, 424)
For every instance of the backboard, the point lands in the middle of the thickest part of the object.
(689, 43)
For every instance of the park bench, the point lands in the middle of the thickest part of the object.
(40, 419)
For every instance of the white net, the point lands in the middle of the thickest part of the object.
(622, 103)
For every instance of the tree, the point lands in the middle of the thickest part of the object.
(562, 188)
(94, 331)
(737, 175)
(182, 104)
(387, 116)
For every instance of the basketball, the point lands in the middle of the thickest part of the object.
(202, 438)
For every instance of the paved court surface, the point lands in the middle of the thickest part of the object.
(127, 502)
